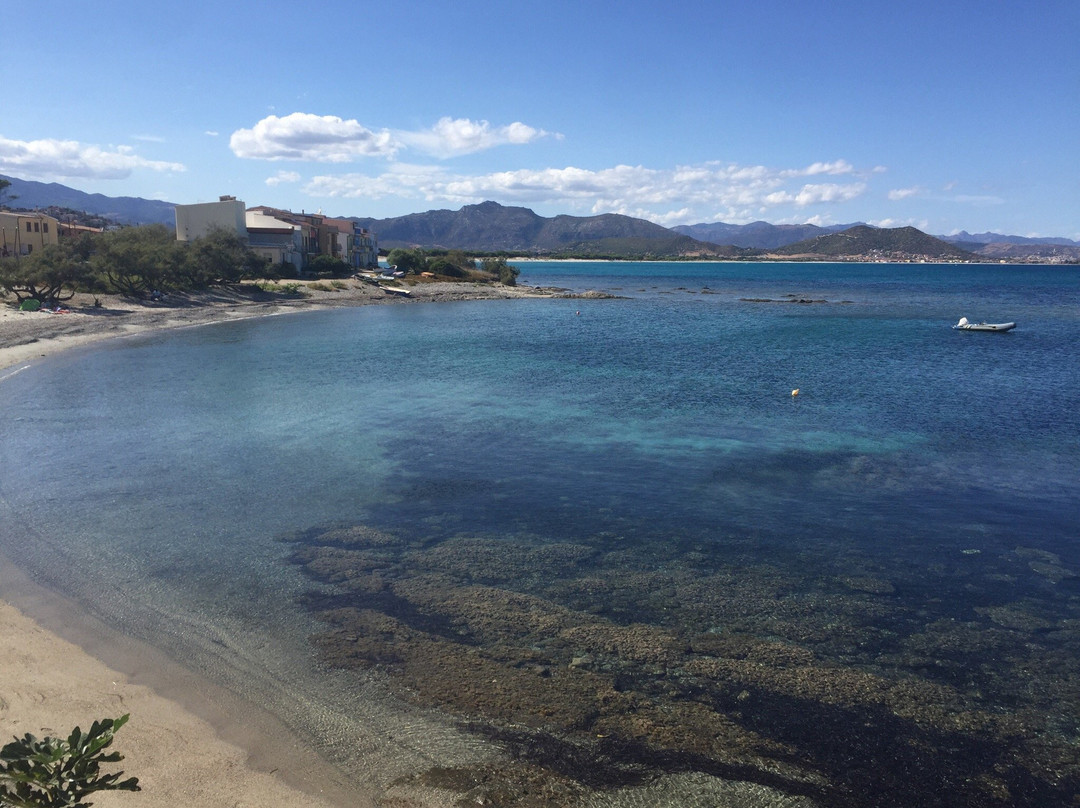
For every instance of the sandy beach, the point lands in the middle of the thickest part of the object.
(188, 742)
(28, 336)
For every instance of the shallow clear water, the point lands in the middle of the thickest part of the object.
(154, 478)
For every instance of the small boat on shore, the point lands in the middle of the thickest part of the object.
(964, 325)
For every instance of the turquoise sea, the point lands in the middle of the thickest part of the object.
(592, 550)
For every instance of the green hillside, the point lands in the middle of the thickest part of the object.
(863, 241)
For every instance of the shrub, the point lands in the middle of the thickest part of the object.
(57, 773)
(326, 266)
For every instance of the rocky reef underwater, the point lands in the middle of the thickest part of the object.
(611, 665)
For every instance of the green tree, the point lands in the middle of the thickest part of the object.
(443, 266)
(51, 274)
(58, 773)
(134, 260)
(222, 256)
(502, 272)
(326, 266)
(4, 185)
(413, 261)
(460, 259)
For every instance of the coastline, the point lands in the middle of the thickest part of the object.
(28, 336)
(188, 741)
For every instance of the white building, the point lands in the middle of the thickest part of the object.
(277, 240)
(196, 221)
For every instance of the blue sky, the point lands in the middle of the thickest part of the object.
(945, 115)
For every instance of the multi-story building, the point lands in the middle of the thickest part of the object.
(197, 221)
(339, 238)
(363, 249)
(22, 232)
(278, 240)
(281, 236)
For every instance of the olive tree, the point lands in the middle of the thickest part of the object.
(222, 256)
(134, 260)
(54, 273)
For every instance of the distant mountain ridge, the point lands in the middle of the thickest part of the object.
(492, 227)
(759, 235)
(122, 209)
(899, 243)
(963, 237)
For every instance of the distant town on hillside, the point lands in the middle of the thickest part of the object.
(492, 228)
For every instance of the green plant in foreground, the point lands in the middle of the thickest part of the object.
(58, 773)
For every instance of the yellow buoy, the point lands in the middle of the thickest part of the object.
(795, 392)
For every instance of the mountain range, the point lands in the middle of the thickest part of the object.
(33, 195)
(492, 227)
(757, 235)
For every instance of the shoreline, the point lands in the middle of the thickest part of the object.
(189, 741)
(29, 336)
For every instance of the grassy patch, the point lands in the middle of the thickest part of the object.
(286, 289)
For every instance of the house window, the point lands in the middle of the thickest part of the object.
(37, 227)
(44, 227)
(28, 228)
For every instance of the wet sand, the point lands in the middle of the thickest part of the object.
(188, 741)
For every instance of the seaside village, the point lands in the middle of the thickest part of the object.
(281, 236)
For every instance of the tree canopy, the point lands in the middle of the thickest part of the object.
(135, 261)
(131, 261)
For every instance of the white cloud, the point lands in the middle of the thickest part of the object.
(451, 137)
(283, 176)
(329, 139)
(211, 133)
(835, 167)
(321, 139)
(684, 194)
(817, 194)
(903, 193)
(52, 159)
(919, 224)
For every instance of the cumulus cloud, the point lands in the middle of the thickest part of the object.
(690, 193)
(51, 159)
(903, 193)
(835, 167)
(920, 224)
(316, 138)
(451, 137)
(329, 139)
(816, 194)
(283, 177)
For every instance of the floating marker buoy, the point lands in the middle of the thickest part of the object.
(795, 392)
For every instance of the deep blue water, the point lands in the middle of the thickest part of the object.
(153, 477)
